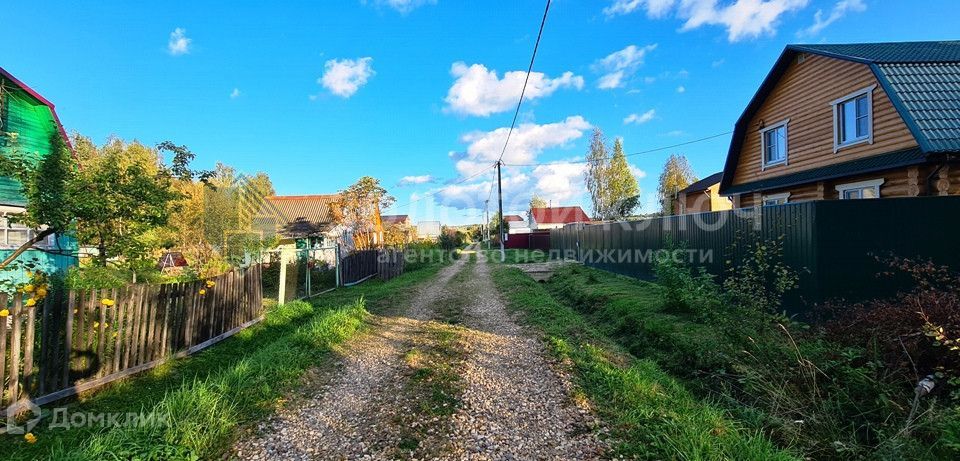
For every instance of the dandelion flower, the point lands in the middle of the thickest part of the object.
(210, 283)
(28, 288)
(41, 292)
(4, 312)
(30, 438)
(31, 302)
(203, 292)
(96, 324)
(106, 302)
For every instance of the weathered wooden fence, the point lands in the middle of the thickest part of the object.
(75, 341)
(360, 265)
(834, 244)
(390, 263)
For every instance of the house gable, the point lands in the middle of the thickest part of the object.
(801, 91)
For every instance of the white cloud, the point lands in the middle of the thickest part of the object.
(478, 91)
(675, 133)
(655, 8)
(840, 9)
(640, 119)
(412, 180)
(179, 43)
(620, 64)
(742, 18)
(718, 63)
(343, 77)
(637, 172)
(528, 141)
(681, 89)
(473, 195)
(403, 6)
(235, 93)
(559, 182)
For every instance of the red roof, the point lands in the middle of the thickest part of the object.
(512, 217)
(559, 215)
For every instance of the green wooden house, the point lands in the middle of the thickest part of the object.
(27, 123)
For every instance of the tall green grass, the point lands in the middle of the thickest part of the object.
(650, 414)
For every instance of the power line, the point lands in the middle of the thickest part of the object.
(658, 149)
(523, 91)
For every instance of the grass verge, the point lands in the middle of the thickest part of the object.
(651, 414)
(207, 397)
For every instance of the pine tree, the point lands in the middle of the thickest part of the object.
(622, 187)
(596, 174)
(677, 174)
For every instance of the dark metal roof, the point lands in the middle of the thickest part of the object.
(864, 165)
(889, 52)
(702, 184)
(922, 80)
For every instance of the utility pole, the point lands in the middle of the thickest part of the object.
(486, 224)
(503, 254)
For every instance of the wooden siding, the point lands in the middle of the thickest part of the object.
(804, 95)
(26, 128)
(704, 201)
(897, 183)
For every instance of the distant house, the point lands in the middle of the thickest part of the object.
(851, 121)
(389, 220)
(28, 123)
(703, 196)
(515, 224)
(397, 229)
(428, 229)
(556, 217)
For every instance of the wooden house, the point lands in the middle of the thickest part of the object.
(848, 122)
(703, 196)
(28, 123)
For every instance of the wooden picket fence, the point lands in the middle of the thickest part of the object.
(73, 342)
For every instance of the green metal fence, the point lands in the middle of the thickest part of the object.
(833, 244)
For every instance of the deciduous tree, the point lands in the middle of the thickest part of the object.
(677, 174)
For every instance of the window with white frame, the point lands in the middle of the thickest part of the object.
(14, 234)
(773, 140)
(776, 199)
(853, 118)
(859, 190)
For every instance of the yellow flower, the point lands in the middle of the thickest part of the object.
(28, 288)
(210, 283)
(31, 302)
(41, 292)
(107, 302)
(4, 313)
(30, 438)
(96, 324)
(203, 292)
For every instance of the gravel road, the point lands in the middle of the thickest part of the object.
(513, 405)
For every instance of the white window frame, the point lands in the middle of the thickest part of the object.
(872, 183)
(837, 104)
(6, 212)
(775, 197)
(764, 164)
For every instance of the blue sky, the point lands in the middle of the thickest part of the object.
(418, 93)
